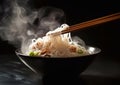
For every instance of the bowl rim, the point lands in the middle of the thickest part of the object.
(98, 50)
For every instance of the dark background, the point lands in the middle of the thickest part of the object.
(105, 36)
(105, 70)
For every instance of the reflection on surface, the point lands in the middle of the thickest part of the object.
(13, 72)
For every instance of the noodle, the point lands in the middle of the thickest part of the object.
(55, 44)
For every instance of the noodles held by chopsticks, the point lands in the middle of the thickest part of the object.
(60, 45)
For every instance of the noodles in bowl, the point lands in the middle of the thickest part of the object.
(55, 44)
(61, 69)
(57, 57)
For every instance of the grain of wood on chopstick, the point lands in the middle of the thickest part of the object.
(93, 22)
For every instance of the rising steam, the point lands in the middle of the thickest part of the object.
(20, 24)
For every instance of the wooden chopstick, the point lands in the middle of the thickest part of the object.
(93, 22)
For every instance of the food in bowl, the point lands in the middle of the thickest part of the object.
(56, 44)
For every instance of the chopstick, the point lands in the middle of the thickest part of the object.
(93, 22)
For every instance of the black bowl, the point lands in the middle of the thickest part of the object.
(59, 67)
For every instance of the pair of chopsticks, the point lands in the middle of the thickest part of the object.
(93, 22)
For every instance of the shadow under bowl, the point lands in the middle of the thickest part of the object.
(59, 67)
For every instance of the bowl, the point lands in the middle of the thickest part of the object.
(59, 68)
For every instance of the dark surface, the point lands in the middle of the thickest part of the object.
(101, 71)
(13, 72)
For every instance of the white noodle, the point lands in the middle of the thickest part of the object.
(55, 44)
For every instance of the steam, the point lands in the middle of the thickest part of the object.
(20, 24)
